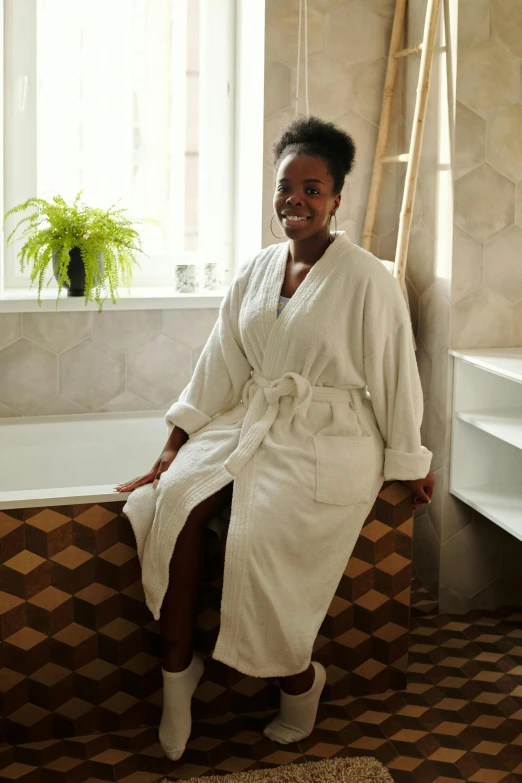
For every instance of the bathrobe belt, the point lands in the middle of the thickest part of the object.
(290, 384)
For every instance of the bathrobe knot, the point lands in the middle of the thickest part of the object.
(291, 383)
(252, 434)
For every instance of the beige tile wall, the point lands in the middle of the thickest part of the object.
(475, 301)
(60, 363)
(347, 42)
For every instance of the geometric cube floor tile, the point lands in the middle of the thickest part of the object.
(440, 728)
(79, 642)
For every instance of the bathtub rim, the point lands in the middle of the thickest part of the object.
(61, 496)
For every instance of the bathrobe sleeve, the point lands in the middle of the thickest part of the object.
(393, 380)
(222, 368)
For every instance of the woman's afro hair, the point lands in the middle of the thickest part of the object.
(313, 136)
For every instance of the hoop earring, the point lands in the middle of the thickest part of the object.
(272, 230)
(334, 216)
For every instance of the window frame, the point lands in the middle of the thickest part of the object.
(238, 132)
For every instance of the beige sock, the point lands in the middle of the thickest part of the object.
(296, 718)
(176, 720)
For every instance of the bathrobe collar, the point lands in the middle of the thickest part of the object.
(275, 325)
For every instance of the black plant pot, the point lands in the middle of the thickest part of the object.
(76, 271)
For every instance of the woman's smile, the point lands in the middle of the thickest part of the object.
(292, 220)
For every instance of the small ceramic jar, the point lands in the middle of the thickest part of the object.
(212, 276)
(186, 278)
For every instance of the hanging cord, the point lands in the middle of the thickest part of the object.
(305, 56)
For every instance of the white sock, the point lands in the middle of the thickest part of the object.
(176, 720)
(296, 718)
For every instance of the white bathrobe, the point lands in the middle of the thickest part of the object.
(279, 406)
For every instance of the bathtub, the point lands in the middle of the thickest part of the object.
(59, 460)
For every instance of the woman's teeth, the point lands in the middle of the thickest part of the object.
(295, 219)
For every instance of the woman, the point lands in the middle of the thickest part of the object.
(276, 421)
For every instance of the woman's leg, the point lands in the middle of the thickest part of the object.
(181, 670)
(179, 609)
(298, 683)
(300, 696)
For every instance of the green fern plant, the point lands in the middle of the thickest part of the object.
(54, 228)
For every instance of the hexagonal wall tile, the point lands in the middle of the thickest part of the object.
(482, 319)
(488, 78)
(10, 328)
(128, 329)
(470, 140)
(426, 552)
(506, 24)
(439, 393)
(323, 5)
(502, 264)
(91, 373)
(7, 413)
(484, 202)
(473, 22)
(421, 259)
(368, 85)
(125, 402)
(57, 331)
(272, 128)
(57, 406)
(472, 558)
(28, 375)
(434, 319)
(466, 272)
(277, 87)
(504, 148)
(424, 364)
(282, 23)
(387, 217)
(189, 327)
(364, 135)
(517, 325)
(159, 370)
(354, 34)
(383, 7)
(518, 205)
(329, 87)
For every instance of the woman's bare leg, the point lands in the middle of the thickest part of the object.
(179, 609)
(298, 683)
(181, 670)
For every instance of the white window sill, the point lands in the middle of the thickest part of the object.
(24, 300)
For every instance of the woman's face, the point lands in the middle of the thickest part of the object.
(303, 200)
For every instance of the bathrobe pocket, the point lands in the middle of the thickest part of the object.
(346, 468)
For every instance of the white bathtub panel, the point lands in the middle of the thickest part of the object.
(65, 459)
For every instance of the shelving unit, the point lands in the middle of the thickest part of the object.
(486, 453)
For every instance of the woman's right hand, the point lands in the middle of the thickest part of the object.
(176, 440)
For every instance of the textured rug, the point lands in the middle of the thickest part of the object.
(360, 769)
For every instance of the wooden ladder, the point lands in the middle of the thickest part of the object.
(412, 158)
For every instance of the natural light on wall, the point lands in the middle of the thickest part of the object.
(132, 101)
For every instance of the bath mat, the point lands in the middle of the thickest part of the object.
(359, 769)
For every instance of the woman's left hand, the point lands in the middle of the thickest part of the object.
(422, 490)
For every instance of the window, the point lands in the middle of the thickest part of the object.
(133, 101)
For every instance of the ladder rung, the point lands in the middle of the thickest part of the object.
(402, 158)
(406, 52)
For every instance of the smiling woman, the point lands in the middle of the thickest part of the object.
(277, 422)
(312, 159)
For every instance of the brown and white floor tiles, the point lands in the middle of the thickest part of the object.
(459, 718)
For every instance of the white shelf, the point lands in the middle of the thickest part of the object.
(486, 441)
(506, 424)
(502, 505)
(506, 362)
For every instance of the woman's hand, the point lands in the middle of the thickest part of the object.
(422, 490)
(176, 440)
